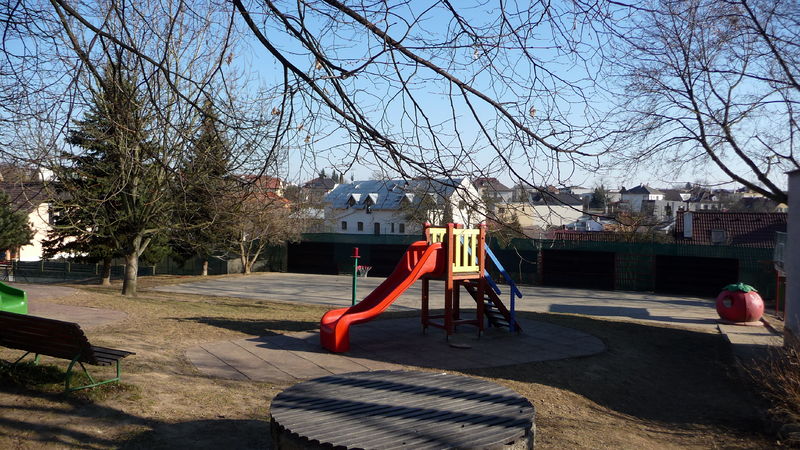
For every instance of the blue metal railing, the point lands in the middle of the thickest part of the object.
(514, 291)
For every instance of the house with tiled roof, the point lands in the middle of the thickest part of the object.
(634, 197)
(315, 190)
(400, 206)
(493, 189)
(265, 183)
(542, 209)
(31, 199)
(738, 229)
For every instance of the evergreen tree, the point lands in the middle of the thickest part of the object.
(15, 231)
(600, 198)
(114, 189)
(205, 216)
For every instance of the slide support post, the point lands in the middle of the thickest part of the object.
(355, 274)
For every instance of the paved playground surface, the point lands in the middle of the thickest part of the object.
(388, 345)
(393, 344)
(334, 291)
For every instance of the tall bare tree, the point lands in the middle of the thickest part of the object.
(174, 55)
(713, 82)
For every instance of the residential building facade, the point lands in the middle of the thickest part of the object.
(400, 206)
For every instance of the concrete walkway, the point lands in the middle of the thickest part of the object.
(41, 298)
(334, 291)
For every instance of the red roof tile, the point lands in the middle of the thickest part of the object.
(741, 229)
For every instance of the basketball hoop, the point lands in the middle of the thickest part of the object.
(363, 270)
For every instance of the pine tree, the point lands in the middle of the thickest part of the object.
(205, 186)
(113, 189)
(15, 231)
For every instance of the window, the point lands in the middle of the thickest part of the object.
(718, 236)
(377, 229)
(344, 225)
(402, 228)
(392, 227)
(360, 226)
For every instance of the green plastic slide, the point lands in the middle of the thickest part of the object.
(13, 300)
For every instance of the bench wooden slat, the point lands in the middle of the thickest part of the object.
(111, 352)
(55, 338)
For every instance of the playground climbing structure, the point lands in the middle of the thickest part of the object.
(453, 254)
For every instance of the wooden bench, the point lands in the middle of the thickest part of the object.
(58, 339)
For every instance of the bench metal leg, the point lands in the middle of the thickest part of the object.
(93, 383)
(35, 359)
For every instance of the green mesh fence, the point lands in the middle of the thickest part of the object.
(635, 262)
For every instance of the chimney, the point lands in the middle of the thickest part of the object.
(687, 225)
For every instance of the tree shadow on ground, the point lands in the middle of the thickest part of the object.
(78, 419)
(261, 327)
(74, 431)
(651, 372)
(204, 434)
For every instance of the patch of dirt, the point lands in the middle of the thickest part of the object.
(655, 387)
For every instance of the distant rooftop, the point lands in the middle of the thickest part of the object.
(389, 194)
(644, 189)
(561, 198)
(25, 197)
(493, 184)
(740, 229)
(320, 183)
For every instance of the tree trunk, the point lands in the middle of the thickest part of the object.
(106, 273)
(204, 272)
(131, 270)
(247, 267)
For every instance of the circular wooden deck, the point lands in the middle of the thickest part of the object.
(401, 409)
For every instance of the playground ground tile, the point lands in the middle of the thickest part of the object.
(300, 356)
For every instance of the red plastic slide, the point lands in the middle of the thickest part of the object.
(420, 259)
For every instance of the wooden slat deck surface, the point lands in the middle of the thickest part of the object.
(402, 409)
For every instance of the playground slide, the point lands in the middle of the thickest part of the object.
(420, 259)
(13, 300)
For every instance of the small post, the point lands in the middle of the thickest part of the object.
(355, 273)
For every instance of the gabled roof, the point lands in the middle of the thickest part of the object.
(25, 197)
(644, 190)
(562, 198)
(674, 195)
(742, 229)
(388, 194)
(263, 182)
(320, 183)
(492, 184)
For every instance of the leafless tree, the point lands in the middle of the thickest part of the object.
(713, 82)
(177, 55)
(439, 89)
(442, 89)
(260, 219)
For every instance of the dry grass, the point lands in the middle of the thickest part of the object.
(779, 380)
(656, 387)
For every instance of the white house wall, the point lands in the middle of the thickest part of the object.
(384, 218)
(543, 216)
(40, 223)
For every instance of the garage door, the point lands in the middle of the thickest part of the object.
(694, 275)
(579, 269)
(312, 257)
